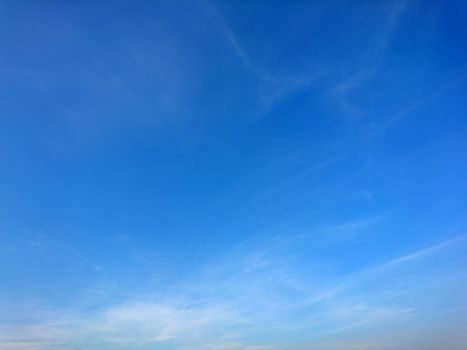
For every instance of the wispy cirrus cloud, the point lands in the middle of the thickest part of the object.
(262, 287)
(368, 65)
(273, 87)
(455, 78)
(224, 29)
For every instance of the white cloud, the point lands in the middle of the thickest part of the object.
(255, 297)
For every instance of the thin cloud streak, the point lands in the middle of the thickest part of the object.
(222, 27)
(369, 65)
(273, 88)
(457, 77)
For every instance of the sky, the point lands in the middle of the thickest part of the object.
(233, 175)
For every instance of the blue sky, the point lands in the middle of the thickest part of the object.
(233, 175)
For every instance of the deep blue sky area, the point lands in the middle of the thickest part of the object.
(235, 175)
